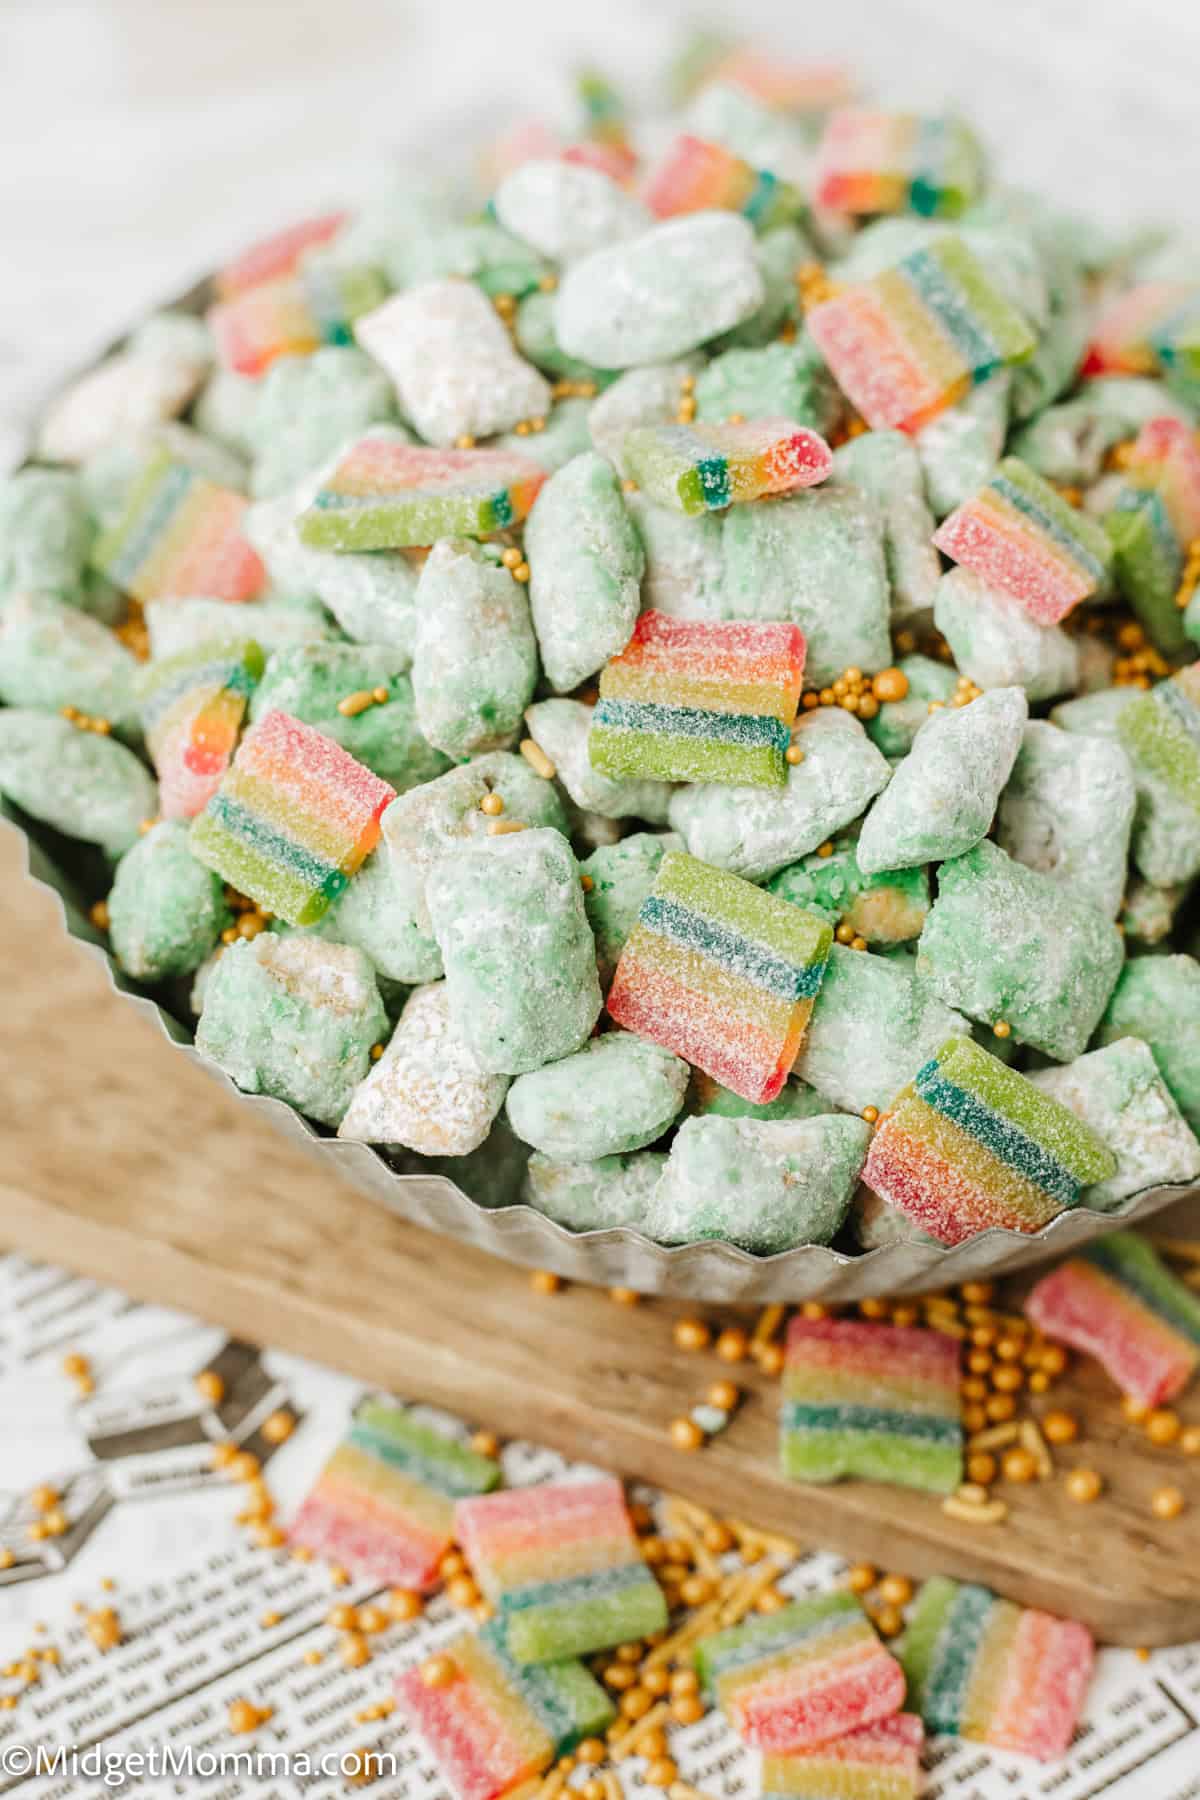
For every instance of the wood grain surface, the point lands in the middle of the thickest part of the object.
(122, 1162)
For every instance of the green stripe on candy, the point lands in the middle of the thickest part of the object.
(389, 1433)
(562, 1696)
(769, 1634)
(798, 936)
(1085, 542)
(557, 1619)
(264, 863)
(1011, 337)
(936, 283)
(825, 1443)
(1149, 563)
(674, 743)
(917, 1649)
(1004, 1091)
(1132, 1262)
(956, 1651)
(158, 493)
(998, 1135)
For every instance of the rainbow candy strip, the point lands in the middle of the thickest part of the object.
(1154, 522)
(811, 1672)
(687, 700)
(1117, 1301)
(1020, 535)
(1156, 320)
(911, 341)
(886, 162)
(179, 537)
(880, 1402)
(192, 706)
(384, 496)
(293, 819)
(799, 87)
(999, 1674)
(383, 1504)
(1161, 732)
(970, 1144)
(701, 468)
(880, 1762)
(561, 1565)
(497, 1724)
(697, 176)
(293, 317)
(721, 973)
(276, 256)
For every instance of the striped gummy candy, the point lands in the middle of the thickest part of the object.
(809, 1673)
(192, 706)
(276, 256)
(971, 1144)
(385, 495)
(709, 57)
(1130, 333)
(886, 162)
(697, 176)
(562, 1567)
(496, 1724)
(691, 701)
(1155, 520)
(1117, 1301)
(383, 1504)
(1021, 536)
(1161, 732)
(179, 536)
(880, 1402)
(292, 820)
(913, 340)
(722, 974)
(880, 1762)
(702, 468)
(293, 316)
(1000, 1674)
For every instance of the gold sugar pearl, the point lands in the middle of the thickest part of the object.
(492, 805)
(438, 1671)
(244, 1716)
(623, 1296)
(210, 1386)
(870, 1114)
(686, 1434)
(733, 1345)
(825, 849)
(1163, 1426)
(895, 1590)
(793, 755)
(1167, 1503)
(692, 1334)
(862, 1578)
(545, 1281)
(1084, 1485)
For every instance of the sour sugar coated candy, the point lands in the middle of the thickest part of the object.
(276, 256)
(497, 1723)
(884, 162)
(383, 1504)
(880, 1762)
(1023, 537)
(1154, 522)
(292, 820)
(179, 535)
(703, 468)
(911, 341)
(879, 1402)
(985, 1669)
(293, 317)
(1117, 1301)
(971, 1144)
(721, 973)
(192, 710)
(1127, 335)
(802, 1676)
(561, 1565)
(695, 175)
(691, 701)
(384, 495)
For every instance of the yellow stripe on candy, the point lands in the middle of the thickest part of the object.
(922, 332)
(990, 1671)
(506, 1713)
(551, 1561)
(352, 1470)
(770, 1015)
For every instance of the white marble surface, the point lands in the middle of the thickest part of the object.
(144, 139)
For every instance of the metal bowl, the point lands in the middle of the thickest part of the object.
(620, 1257)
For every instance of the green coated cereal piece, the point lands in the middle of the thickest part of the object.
(166, 911)
(45, 533)
(778, 253)
(52, 655)
(308, 407)
(593, 1196)
(621, 875)
(567, 434)
(1119, 1092)
(1157, 999)
(480, 251)
(886, 467)
(619, 1093)
(816, 559)
(279, 623)
(1055, 362)
(520, 962)
(685, 560)
(108, 476)
(780, 381)
(764, 1185)
(1094, 714)
(427, 1092)
(888, 907)
(1006, 942)
(224, 409)
(380, 913)
(897, 722)
(309, 680)
(399, 207)
(1068, 811)
(586, 564)
(537, 340)
(755, 832)
(372, 595)
(997, 644)
(961, 447)
(567, 209)
(1148, 912)
(475, 661)
(85, 785)
(762, 135)
(178, 335)
(295, 1017)
(1160, 733)
(942, 797)
(795, 1100)
(648, 396)
(561, 729)
(660, 294)
(1069, 442)
(873, 1024)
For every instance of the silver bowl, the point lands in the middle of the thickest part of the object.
(621, 1257)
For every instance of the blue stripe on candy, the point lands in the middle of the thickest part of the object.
(944, 299)
(739, 955)
(931, 1428)
(536, 1683)
(148, 527)
(760, 1647)
(576, 1588)
(1066, 540)
(276, 846)
(715, 485)
(762, 196)
(431, 1472)
(749, 731)
(1006, 1141)
(955, 1655)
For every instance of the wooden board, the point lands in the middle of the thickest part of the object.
(126, 1164)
